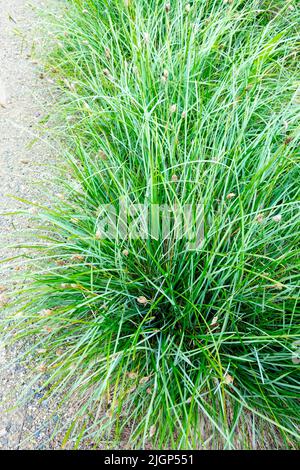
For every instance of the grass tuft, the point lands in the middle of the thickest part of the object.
(171, 104)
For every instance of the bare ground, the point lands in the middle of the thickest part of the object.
(25, 155)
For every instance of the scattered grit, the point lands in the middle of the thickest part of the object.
(24, 97)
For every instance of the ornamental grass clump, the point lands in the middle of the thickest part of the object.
(169, 338)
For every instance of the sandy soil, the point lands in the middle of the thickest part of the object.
(24, 98)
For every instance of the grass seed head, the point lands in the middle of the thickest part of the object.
(142, 300)
(152, 431)
(102, 155)
(260, 218)
(77, 258)
(144, 380)
(278, 286)
(41, 351)
(228, 379)
(42, 368)
(4, 300)
(165, 75)
(98, 235)
(277, 218)
(107, 74)
(132, 375)
(47, 312)
(146, 38)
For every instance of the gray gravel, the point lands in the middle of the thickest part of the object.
(24, 100)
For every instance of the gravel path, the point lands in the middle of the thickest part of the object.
(24, 97)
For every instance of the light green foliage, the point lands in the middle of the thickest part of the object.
(176, 105)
